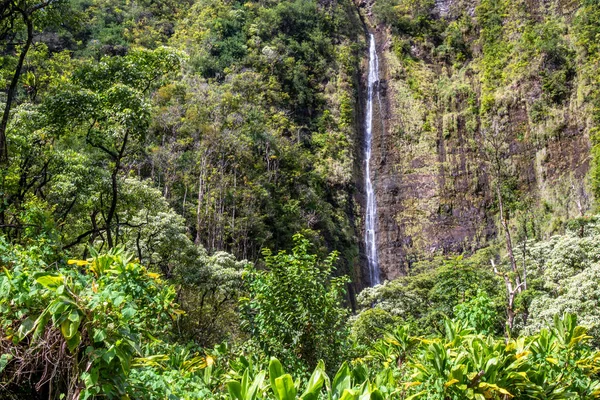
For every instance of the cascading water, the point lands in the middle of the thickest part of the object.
(371, 210)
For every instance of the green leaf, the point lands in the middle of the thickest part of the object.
(235, 390)
(341, 381)
(364, 391)
(349, 394)
(27, 326)
(376, 395)
(73, 342)
(40, 324)
(4, 287)
(315, 383)
(95, 374)
(90, 378)
(109, 354)
(128, 312)
(74, 316)
(284, 385)
(124, 357)
(245, 379)
(258, 380)
(4, 360)
(275, 371)
(49, 281)
(118, 300)
(99, 335)
(68, 328)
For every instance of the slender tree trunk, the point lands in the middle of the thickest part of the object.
(113, 206)
(509, 246)
(512, 293)
(511, 314)
(510, 311)
(184, 199)
(115, 192)
(12, 89)
(201, 185)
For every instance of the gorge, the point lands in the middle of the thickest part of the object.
(299, 199)
(449, 105)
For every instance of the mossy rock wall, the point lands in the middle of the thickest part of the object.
(478, 94)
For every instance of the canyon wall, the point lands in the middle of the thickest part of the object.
(477, 95)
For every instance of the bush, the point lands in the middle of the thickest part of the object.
(294, 309)
(77, 327)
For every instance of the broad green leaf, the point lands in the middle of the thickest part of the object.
(109, 354)
(69, 328)
(4, 360)
(4, 287)
(342, 381)
(49, 281)
(118, 300)
(124, 357)
(284, 385)
(364, 392)
(99, 335)
(275, 371)
(128, 312)
(27, 326)
(73, 342)
(315, 383)
(245, 381)
(235, 390)
(376, 395)
(40, 324)
(349, 394)
(74, 316)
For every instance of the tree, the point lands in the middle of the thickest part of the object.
(496, 139)
(294, 307)
(13, 15)
(108, 103)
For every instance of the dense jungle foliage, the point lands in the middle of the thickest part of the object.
(179, 214)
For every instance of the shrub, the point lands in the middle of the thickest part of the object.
(294, 309)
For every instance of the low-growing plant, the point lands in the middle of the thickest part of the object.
(77, 328)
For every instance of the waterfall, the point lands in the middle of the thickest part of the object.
(371, 209)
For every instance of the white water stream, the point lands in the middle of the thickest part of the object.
(371, 210)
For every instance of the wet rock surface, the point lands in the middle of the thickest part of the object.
(433, 182)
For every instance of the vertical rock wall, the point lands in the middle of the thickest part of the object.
(434, 185)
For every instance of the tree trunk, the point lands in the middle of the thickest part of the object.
(511, 292)
(509, 246)
(115, 192)
(12, 89)
(200, 201)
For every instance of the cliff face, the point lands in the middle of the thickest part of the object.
(480, 96)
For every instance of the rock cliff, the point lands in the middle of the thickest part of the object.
(476, 96)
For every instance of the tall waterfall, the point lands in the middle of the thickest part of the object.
(371, 210)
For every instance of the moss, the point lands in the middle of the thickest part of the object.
(587, 31)
(524, 71)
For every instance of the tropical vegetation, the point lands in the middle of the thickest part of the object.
(180, 207)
